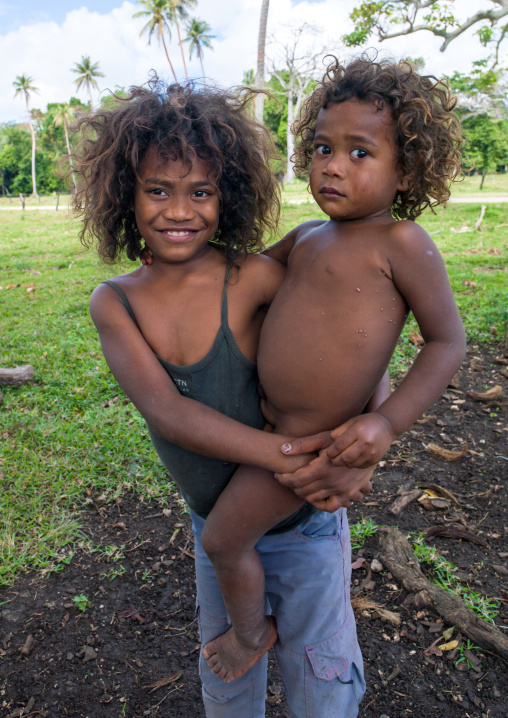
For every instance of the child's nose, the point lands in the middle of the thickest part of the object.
(336, 165)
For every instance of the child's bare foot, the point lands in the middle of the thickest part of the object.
(229, 658)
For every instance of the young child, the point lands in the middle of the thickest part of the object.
(381, 143)
(184, 173)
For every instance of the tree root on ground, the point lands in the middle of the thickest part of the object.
(398, 558)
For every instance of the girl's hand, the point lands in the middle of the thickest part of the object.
(146, 257)
(361, 441)
(326, 486)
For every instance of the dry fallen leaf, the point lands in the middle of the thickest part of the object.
(164, 682)
(437, 452)
(449, 646)
(435, 490)
(495, 393)
(417, 339)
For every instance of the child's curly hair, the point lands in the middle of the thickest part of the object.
(427, 130)
(178, 121)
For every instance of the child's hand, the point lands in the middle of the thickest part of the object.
(328, 487)
(146, 256)
(361, 441)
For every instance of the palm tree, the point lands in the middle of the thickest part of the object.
(197, 37)
(260, 74)
(87, 73)
(179, 9)
(156, 10)
(64, 115)
(23, 85)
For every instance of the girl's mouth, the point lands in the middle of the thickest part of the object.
(178, 235)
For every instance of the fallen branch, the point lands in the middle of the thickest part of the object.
(402, 502)
(479, 221)
(16, 376)
(398, 558)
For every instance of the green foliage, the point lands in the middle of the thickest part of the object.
(486, 142)
(81, 602)
(15, 158)
(16, 148)
(360, 531)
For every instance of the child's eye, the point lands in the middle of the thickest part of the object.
(199, 193)
(157, 192)
(322, 149)
(359, 154)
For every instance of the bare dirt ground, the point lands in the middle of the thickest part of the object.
(133, 650)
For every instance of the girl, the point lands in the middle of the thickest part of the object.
(184, 173)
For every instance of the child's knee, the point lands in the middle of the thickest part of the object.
(214, 541)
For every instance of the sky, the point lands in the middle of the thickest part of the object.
(45, 41)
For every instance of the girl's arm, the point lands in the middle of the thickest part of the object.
(420, 276)
(171, 416)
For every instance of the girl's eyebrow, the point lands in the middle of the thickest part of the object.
(171, 183)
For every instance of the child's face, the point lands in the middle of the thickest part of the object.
(354, 173)
(176, 208)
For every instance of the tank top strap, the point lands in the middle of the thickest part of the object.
(224, 308)
(118, 289)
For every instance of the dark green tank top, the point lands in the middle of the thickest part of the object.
(226, 380)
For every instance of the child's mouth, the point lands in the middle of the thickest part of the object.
(331, 192)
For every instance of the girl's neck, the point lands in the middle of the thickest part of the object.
(208, 260)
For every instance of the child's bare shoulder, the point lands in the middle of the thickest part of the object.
(302, 230)
(409, 239)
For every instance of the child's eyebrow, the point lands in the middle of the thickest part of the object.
(362, 139)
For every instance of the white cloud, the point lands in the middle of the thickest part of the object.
(48, 50)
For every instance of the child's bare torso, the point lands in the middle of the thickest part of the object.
(332, 328)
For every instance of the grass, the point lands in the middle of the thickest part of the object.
(444, 574)
(360, 531)
(73, 433)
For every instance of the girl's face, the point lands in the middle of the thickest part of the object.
(176, 207)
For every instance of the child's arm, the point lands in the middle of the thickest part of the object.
(420, 276)
(178, 419)
(282, 249)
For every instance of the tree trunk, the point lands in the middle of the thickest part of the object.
(32, 132)
(181, 48)
(69, 153)
(202, 67)
(290, 142)
(170, 63)
(88, 84)
(483, 179)
(260, 71)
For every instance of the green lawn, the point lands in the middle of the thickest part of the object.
(73, 433)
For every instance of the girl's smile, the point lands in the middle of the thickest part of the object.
(176, 206)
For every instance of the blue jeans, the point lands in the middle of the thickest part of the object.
(307, 574)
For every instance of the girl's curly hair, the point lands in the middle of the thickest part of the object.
(178, 120)
(427, 130)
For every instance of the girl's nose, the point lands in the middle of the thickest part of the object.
(179, 209)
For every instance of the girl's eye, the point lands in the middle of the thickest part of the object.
(199, 193)
(157, 192)
(359, 154)
(322, 150)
